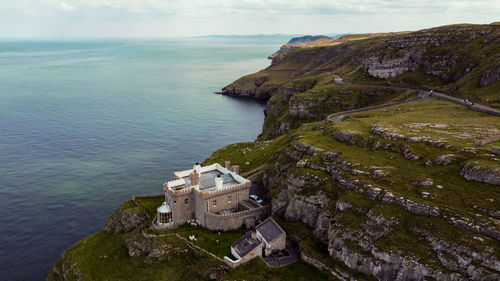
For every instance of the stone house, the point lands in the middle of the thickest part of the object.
(271, 234)
(267, 239)
(213, 196)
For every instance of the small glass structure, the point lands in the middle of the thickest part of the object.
(164, 215)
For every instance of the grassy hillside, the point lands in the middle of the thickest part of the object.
(128, 255)
(460, 60)
(374, 160)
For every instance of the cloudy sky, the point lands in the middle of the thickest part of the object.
(161, 18)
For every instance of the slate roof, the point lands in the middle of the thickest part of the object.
(207, 180)
(245, 244)
(270, 230)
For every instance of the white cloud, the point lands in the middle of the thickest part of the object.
(199, 17)
(65, 7)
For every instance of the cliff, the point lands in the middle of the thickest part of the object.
(461, 60)
(397, 193)
(306, 39)
(404, 192)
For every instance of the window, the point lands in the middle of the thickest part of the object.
(186, 201)
(229, 199)
(175, 203)
(165, 218)
(215, 203)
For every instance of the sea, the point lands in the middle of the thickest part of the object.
(85, 124)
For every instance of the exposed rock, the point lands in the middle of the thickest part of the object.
(392, 66)
(444, 159)
(302, 163)
(385, 132)
(306, 108)
(322, 226)
(345, 135)
(380, 173)
(125, 218)
(425, 183)
(491, 75)
(330, 156)
(302, 147)
(154, 249)
(306, 209)
(495, 150)
(476, 172)
(409, 155)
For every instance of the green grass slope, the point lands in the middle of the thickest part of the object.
(452, 129)
(460, 60)
(105, 256)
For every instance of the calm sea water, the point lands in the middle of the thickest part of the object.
(86, 124)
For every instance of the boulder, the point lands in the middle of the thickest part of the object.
(345, 135)
(424, 183)
(444, 159)
(380, 173)
(476, 172)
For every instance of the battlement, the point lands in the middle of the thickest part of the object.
(217, 192)
(200, 192)
(204, 169)
(203, 178)
(174, 183)
(182, 191)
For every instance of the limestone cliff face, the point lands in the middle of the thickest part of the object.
(441, 52)
(447, 58)
(491, 75)
(353, 235)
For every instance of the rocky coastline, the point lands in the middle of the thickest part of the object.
(384, 199)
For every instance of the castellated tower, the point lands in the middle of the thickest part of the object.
(213, 196)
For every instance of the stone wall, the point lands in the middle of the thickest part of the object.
(181, 212)
(233, 221)
(251, 255)
(222, 200)
(277, 245)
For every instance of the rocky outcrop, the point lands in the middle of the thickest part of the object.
(126, 218)
(444, 159)
(392, 66)
(352, 232)
(152, 248)
(491, 75)
(345, 135)
(476, 172)
(357, 250)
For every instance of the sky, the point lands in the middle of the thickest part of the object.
(173, 18)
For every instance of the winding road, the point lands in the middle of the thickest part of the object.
(422, 94)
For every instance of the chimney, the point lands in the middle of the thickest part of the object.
(235, 168)
(228, 164)
(197, 168)
(219, 182)
(195, 178)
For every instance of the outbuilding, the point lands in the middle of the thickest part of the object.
(272, 236)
